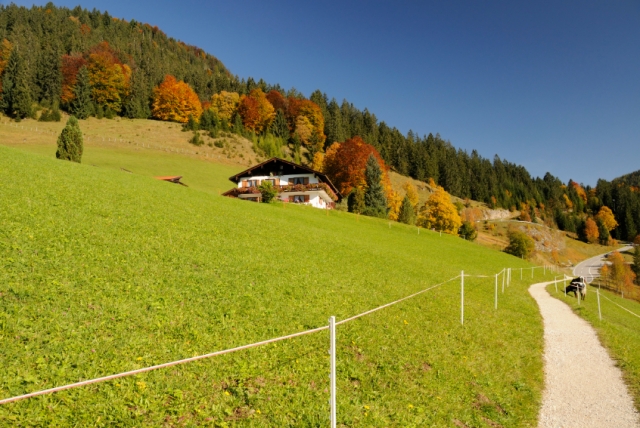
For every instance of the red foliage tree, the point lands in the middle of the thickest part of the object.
(71, 64)
(345, 164)
(256, 111)
(278, 101)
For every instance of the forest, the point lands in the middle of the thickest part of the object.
(89, 63)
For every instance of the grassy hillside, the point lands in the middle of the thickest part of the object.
(618, 330)
(104, 271)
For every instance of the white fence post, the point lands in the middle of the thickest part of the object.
(496, 294)
(599, 312)
(462, 297)
(555, 282)
(332, 382)
(504, 274)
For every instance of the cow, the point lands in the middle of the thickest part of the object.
(577, 285)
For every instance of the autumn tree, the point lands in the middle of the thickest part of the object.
(468, 231)
(109, 77)
(345, 164)
(71, 65)
(375, 201)
(411, 192)
(621, 276)
(608, 219)
(225, 105)
(70, 144)
(306, 120)
(440, 213)
(589, 231)
(394, 204)
(174, 100)
(5, 53)
(278, 101)
(256, 111)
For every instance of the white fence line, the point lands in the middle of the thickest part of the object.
(243, 347)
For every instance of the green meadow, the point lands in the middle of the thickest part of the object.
(102, 271)
(618, 329)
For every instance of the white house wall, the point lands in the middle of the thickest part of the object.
(284, 179)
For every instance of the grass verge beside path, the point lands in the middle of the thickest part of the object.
(618, 330)
(103, 272)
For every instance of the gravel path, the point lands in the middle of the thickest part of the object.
(583, 387)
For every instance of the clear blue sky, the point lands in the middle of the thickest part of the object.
(551, 85)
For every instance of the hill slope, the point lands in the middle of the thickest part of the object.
(105, 271)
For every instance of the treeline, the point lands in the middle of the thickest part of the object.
(90, 63)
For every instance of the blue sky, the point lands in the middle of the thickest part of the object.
(554, 86)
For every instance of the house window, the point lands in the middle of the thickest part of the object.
(299, 180)
(299, 199)
(253, 183)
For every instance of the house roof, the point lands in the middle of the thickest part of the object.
(282, 167)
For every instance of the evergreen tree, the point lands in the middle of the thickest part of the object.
(279, 126)
(407, 214)
(16, 95)
(136, 106)
(355, 201)
(603, 231)
(81, 106)
(49, 76)
(375, 201)
(70, 144)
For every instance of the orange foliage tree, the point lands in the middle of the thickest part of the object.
(606, 216)
(345, 163)
(5, 52)
(591, 233)
(256, 111)
(175, 101)
(306, 120)
(71, 65)
(225, 105)
(620, 274)
(109, 77)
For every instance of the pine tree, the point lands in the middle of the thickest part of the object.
(407, 214)
(81, 106)
(70, 145)
(375, 201)
(355, 201)
(16, 95)
(279, 126)
(136, 106)
(49, 76)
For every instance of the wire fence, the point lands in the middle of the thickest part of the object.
(202, 150)
(505, 274)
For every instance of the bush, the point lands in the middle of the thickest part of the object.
(520, 244)
(50, 115)
(268, 191)
(196, 140)
(70, 144)
(219, 144)
(467, 231)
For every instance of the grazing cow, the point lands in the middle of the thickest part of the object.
(577, 285)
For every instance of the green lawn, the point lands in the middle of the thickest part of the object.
(618, 330)
(104, 271)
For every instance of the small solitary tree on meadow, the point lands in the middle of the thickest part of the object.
(407, 214)
(520, 244)
(70, 144)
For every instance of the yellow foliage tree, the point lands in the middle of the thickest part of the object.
(591, 232)
(318, 161)
(606, 216)
(225, 105)
(411, 193)
(175, 101)
(394, 202)
(439, 213)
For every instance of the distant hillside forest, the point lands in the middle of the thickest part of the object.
(90, 63)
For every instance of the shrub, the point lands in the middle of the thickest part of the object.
(219, 144)
(268, 191)
(468, 231)
(196, 140)
(520, 244)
